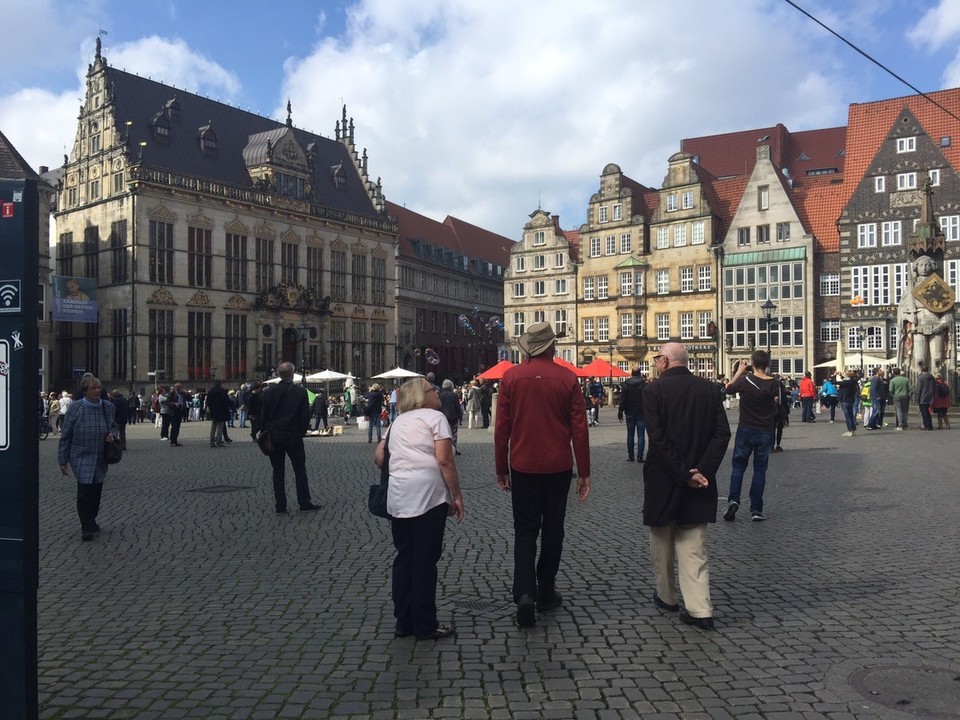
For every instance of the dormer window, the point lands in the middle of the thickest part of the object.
(208, 139)
(160, 124)
(338, 176)
(172, 108)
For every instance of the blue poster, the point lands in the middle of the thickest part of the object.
(74, 299)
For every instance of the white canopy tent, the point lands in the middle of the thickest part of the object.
(397, 373)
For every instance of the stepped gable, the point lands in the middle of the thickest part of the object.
(154, 109)
(12, 164)
(868, 125)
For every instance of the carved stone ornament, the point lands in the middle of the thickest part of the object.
(293, 297)
(161, 213)
(315, 238)
(200, 299)
(235, 302)
(934, 294)
(161, 296)
(359, 312)
(200, 220)
(265, 231)
(379, 314)
(236, 227)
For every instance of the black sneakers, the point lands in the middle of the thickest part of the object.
(731, 512)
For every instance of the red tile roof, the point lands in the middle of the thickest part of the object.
(734, 154)
(818, 206)
(869, 124)
(573, 237)
(453, 234)
(724, 198)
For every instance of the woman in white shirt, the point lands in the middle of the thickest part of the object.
(424, 490)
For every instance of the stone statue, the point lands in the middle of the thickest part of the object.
(925, 318)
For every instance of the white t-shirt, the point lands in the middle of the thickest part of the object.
(416, 483)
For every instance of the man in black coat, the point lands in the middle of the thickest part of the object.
(631, 407)
(218, 405)
(689, 433)
(285, 414)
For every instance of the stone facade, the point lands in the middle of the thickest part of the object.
(222, 243)
(541, 285)
(768, 258)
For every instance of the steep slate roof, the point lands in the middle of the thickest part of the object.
(459, 236)
(12, 164)
(734, 154)
(868, 125)
(818, 206)
(139, 101)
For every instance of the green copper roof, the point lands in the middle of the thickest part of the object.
(764, 256)
(631, 262)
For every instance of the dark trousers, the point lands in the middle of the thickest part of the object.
(254, 426)
(419, 542)
(539, 509)
(88, 505)
(123, 436)
(925, 416)
(485, 414)
(175, 421)
(321, 416)
(807, 413)
(298, 458)
(636, 427)
(879, 406)
(164, 426)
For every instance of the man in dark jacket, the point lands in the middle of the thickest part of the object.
(689, 434)
(879, 391)
(218, 405)
(122, 415)
(285, 414)
(631, 408)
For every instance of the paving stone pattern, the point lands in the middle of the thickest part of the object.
(198, 601)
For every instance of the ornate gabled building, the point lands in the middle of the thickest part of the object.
(541, 284)
(221, 242)
(614, 259)
(767, 288)
(449, 295)
(682, 270)
(906, 161)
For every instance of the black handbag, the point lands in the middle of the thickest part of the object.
(377, 495)
(112, 453)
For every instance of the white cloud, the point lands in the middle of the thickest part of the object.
(940, 27)
(475, 109)
(41, 122)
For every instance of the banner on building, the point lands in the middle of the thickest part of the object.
(74, 299)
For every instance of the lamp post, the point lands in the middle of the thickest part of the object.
(861, 332)
(303, 330)
(154, 374)
(356, 356)
(769, 307)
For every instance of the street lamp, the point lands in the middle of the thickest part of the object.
(303, 330)
(769, 307)
(861, 332)
(155, 374)
(356, 358)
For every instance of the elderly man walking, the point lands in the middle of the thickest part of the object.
(688, 435)
(540, 415)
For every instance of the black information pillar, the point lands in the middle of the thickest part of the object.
(19, 421)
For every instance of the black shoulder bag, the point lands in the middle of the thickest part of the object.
(112, 454)
(377, 495)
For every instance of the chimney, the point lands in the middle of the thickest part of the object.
(44, 169)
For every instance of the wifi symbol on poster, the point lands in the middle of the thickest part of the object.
(8, 293)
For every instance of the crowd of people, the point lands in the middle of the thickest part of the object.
(676, 425)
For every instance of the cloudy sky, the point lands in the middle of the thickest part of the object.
(486, 110)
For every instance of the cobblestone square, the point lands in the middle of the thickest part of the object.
(198, 601)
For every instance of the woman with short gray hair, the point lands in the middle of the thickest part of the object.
(89, 422)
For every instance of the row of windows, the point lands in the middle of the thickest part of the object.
(680, 235)
(759, 283)
(906, 181)
(609, 245)
(891, 231)
(762, 234)
(597, 329)
(539, 262)
(747, 332)
(604, 215)
(683, 201)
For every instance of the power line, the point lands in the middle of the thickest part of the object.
(871, 59)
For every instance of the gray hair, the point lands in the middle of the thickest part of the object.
(87, 381)
(447, 384)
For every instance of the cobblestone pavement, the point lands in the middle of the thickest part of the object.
(198, 601)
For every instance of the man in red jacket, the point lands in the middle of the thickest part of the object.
(540, 413)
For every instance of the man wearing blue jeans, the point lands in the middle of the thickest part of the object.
(631, 407)
(759, 395)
